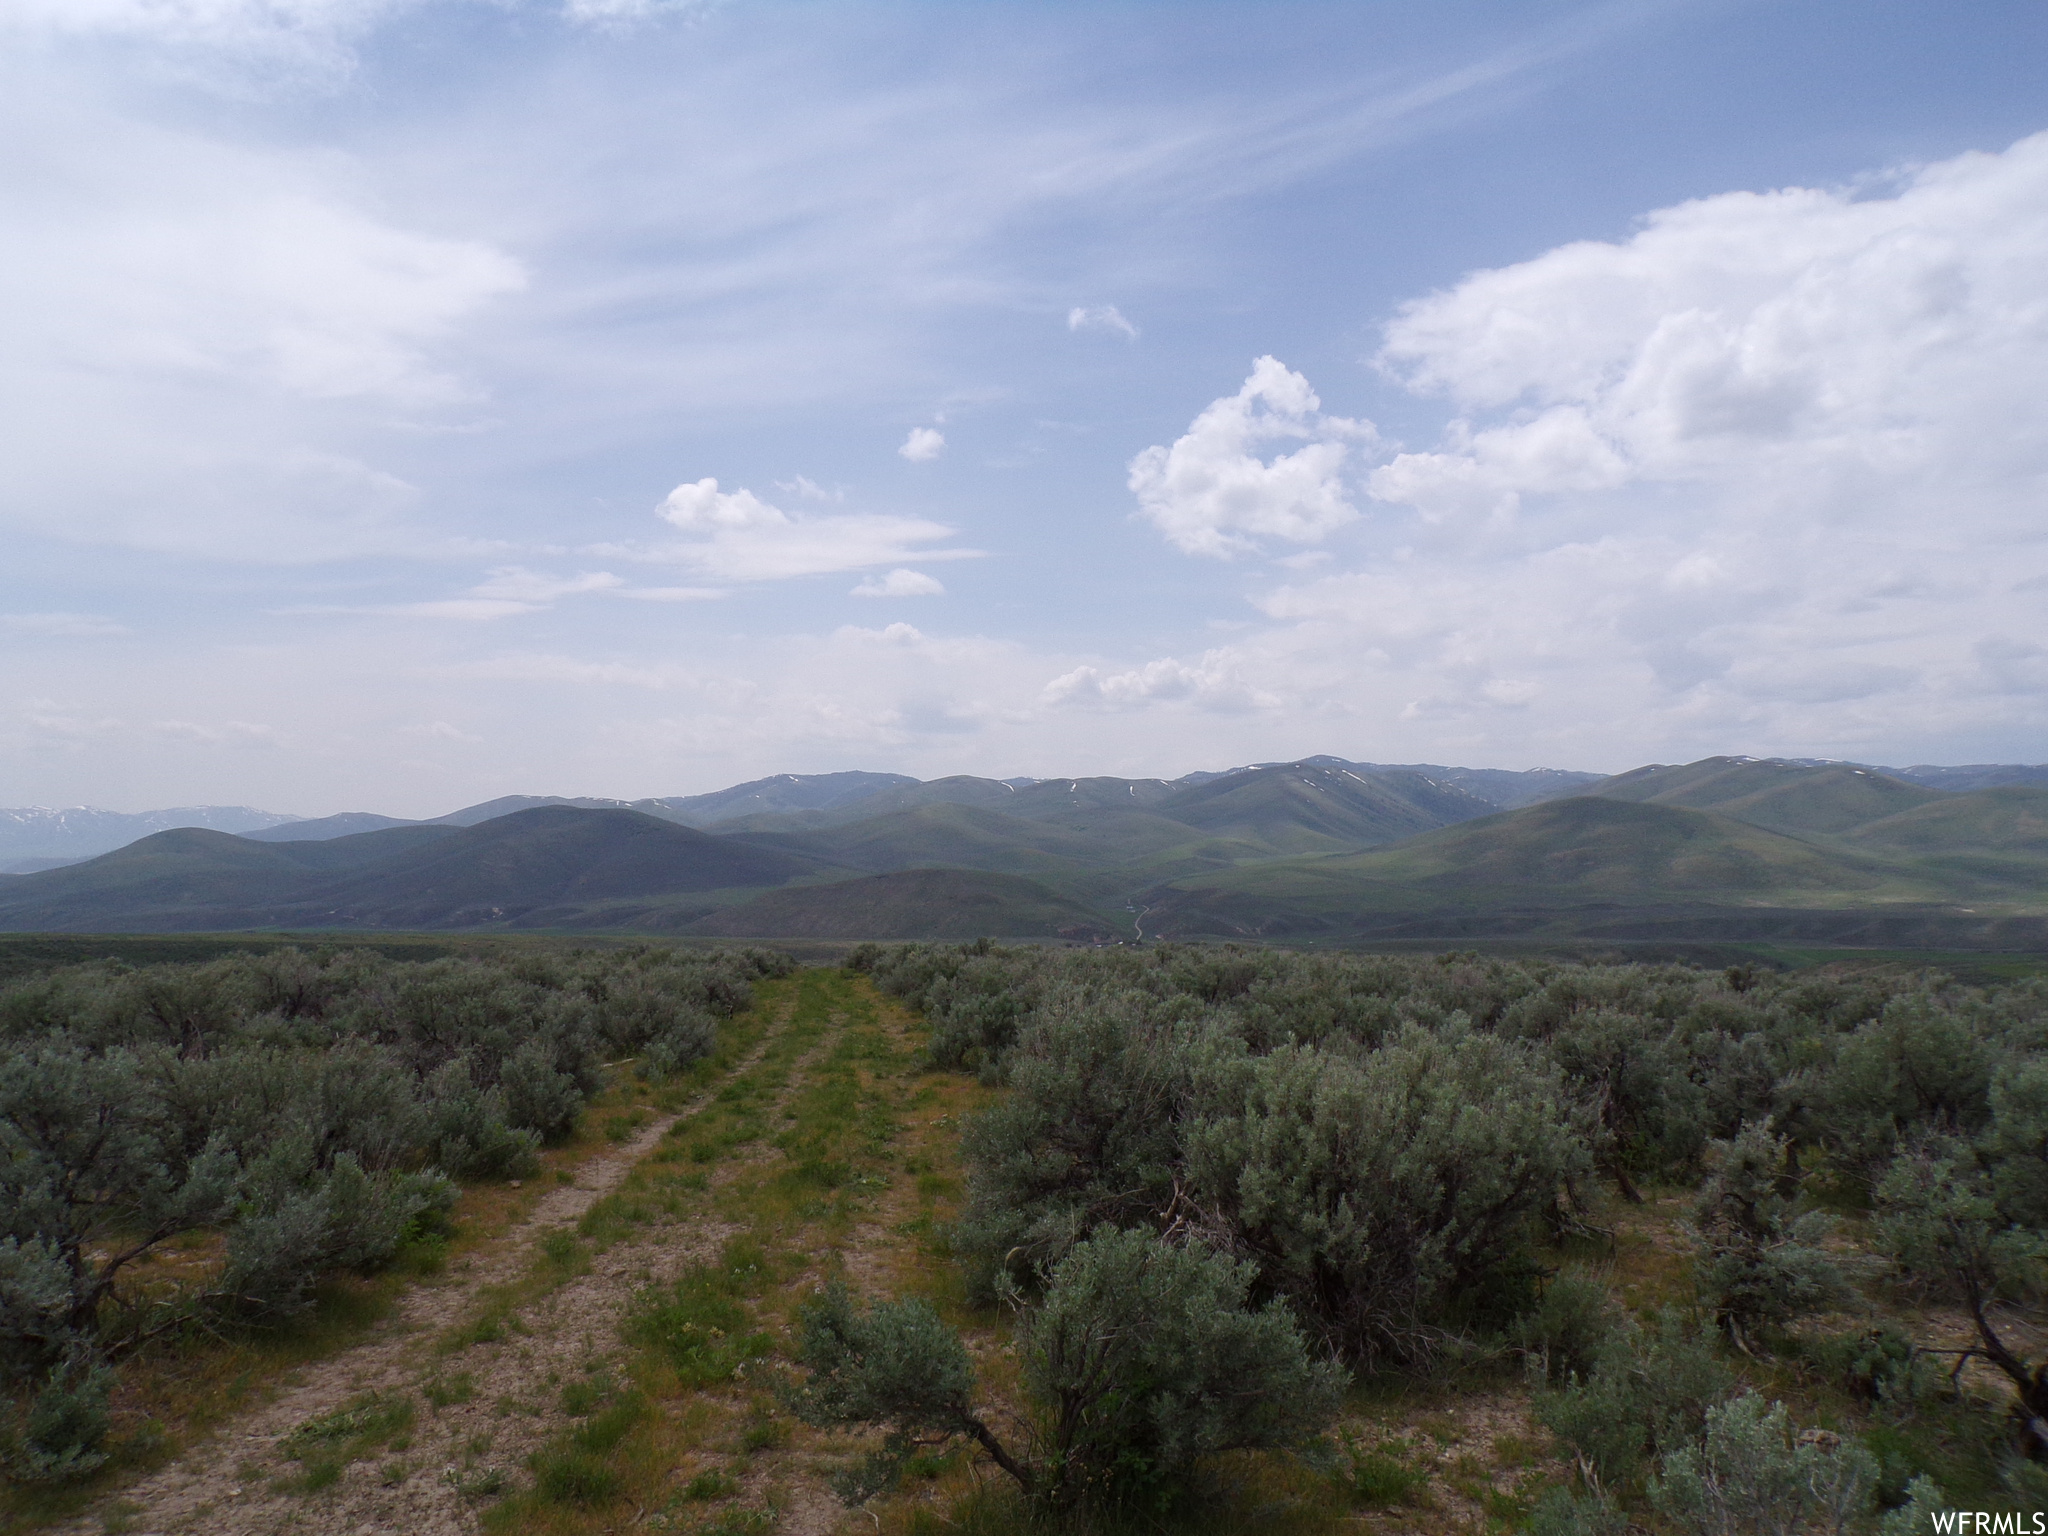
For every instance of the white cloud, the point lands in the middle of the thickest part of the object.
(743, 538)
(59, 624)
(195, 334)
(900, 583)
(1765, 476)
(809, 489)
(923, 445)
(1101, 317)
(1211, 493)
(517, 584)
(888, 634)
(1213, 682)
(1803, 344)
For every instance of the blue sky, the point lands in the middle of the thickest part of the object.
(409, 403)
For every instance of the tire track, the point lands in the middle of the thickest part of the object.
(228, 1485)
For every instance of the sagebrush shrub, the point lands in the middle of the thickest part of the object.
(1761, 1262)
(1377, 1190)
(1749, 1477)
(1142, 1360)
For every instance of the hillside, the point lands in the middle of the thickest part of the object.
(1785, 797)
(426, 877)
(165, 875)
(1575, 864)
(1299, 807)
(1317, 847)
(974, 837)
(936, 904)
(779, 793)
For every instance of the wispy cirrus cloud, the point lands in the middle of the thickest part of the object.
(60, 625)
(506, 592)
(1101, 317)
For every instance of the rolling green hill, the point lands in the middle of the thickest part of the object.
(2003, 821)
(1588, 856)
(1301, 808)
(186, 870)
(1785, 797)
(1814, 853)
(974, 837)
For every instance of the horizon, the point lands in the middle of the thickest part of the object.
(421, 400)
(627, 801)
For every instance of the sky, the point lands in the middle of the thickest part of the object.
(409, 402)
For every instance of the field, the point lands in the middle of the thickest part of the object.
(610, 1342)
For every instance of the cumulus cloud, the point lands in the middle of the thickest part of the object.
(923, 445)
(59, 624)
(739, 537)
(1101, 317)
(900, 583)
(1766, 473)
(1212, 682)
(1212, 494)
(1833, 338)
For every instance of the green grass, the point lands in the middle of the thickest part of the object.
(327, 1443)
(446, 1391)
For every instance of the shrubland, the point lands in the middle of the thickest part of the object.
(270, 1120)
(1396, 1155)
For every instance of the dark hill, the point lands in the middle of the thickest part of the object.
(508, 805)
(939, 904)
(429, 876)
(547, 857)
(165, 873)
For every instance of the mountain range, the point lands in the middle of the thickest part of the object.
(1318, 850)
